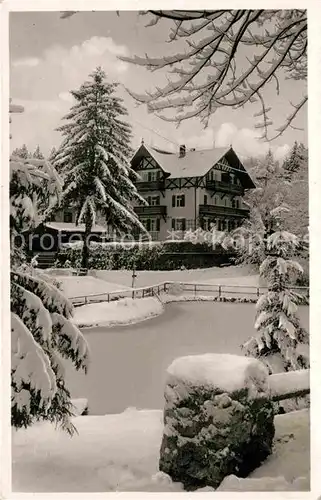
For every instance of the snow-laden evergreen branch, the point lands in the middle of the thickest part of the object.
(279, 333)
(30, 365)
(38, 340)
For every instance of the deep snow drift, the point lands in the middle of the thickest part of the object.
(121, 452)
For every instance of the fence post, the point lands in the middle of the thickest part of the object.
(108, 297)
(143, 293)
(258, 292)
(219, 290)
(85, 299)
(195, 290)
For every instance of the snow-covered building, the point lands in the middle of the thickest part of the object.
(190, 189)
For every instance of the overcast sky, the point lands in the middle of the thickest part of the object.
(51, 56)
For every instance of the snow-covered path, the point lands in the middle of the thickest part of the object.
(128, 364)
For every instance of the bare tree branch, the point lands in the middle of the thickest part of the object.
(276, 40)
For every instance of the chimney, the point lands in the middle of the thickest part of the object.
(182, 150)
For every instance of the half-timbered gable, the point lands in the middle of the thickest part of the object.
(191, 189)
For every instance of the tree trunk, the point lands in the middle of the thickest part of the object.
(85, 248)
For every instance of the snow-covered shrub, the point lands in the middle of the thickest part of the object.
(165, 255)
(119, 256)
(218, 419)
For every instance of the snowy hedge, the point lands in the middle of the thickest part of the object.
(106, 256)
(153, 256)
(218, 419)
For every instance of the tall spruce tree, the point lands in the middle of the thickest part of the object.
(94, 159)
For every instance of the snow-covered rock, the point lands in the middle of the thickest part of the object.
(80, 406)
(227, 372)
(218, 419)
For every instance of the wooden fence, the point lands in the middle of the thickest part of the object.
(196, 289)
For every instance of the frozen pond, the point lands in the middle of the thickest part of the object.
(128, 364)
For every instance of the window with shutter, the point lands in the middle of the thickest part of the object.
(157, 224)
(174, 224)
(173, 200)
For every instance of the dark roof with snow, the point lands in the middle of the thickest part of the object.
(193, 163)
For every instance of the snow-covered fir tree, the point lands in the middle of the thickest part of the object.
(22, 152)
(38, 154)
(42, 334)
(294, 160)
(281, 342)
(94, 159)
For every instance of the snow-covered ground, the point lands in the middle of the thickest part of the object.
(100, 282)
(121, 312)
(291, 455)
(77, 286)
(121, 452)
(217, 275)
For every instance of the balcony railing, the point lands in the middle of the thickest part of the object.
(218, 210)
(150, 185)
(224, 187)
(151, 210)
